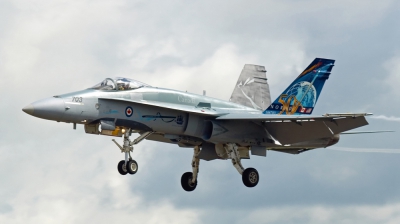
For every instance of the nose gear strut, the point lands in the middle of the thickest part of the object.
(129, 165)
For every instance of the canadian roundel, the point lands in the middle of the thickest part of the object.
(128, 111)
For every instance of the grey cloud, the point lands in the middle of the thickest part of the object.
(5, 208)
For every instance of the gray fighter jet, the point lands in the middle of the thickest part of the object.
(216, 129)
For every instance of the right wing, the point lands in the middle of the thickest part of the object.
(292, 129)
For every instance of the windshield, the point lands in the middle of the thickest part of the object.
(119, 84)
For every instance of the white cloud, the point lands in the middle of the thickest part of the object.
(218, 73)
(392, 67)
(72, 182)
(388, 213)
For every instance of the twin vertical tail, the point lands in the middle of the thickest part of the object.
(252, 89)
(302, 95)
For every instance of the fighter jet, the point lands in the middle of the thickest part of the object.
(216, 129)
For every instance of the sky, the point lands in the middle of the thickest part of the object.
(51, 173)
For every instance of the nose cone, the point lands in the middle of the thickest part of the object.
(28, 109)
(50, 109)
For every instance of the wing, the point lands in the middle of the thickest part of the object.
(293, 129)
(287, 129)
(180, 107)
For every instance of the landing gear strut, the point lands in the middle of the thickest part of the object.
(250, 176)
(129, 165)
(189, 179)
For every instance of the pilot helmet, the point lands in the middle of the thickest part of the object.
(121, 85)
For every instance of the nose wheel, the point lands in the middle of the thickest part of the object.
(129, 165)
(122, 167)
(132, 167)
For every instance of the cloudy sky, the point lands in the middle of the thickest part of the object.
(51, 173)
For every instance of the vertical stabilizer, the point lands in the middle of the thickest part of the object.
(252, 89)
(302, 95)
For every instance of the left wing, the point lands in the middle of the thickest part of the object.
(293, 129)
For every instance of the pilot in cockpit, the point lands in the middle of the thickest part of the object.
(119, 84)
(122, 85)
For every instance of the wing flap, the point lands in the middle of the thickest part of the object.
(267, 117)
(292, 132)
(344, 124)
(288, 129)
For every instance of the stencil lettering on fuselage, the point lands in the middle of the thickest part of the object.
(167, 119)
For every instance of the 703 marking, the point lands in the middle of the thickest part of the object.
(77, 99)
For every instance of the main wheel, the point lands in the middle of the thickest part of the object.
(186, 182)
(132, 167)
(122, 168)
(250, 177)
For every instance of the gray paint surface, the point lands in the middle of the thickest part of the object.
(252, 89)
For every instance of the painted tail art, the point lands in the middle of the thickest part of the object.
(302, 95)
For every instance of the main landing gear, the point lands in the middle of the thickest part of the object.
(250, 176)
(189, 179)
(129, 165)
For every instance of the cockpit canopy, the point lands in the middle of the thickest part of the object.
(118, 84)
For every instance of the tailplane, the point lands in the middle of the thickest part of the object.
(252, 88)
(302, 95)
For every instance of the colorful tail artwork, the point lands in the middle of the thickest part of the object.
(302, 95)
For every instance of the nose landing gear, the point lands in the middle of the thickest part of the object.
(129, 165)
